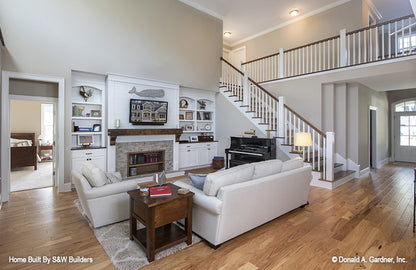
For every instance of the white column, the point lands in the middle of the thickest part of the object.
(281, 64)
(246, 87)
(343, 47)
(281, 117)
(330, 142)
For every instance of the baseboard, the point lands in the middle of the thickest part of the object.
(383, 162)
(364, 172)
(67, 187)
(351, 165)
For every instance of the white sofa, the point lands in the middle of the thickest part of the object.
(242, 198)
(105, 204)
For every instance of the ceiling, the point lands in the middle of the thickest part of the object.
(247, 19)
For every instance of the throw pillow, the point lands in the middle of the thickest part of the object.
(292, 164)
(198, 180)
(95, 176)
(113, 177)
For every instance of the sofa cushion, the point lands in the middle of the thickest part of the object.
(266, 168)
(215, 181)
(292, 164)
(198, 180)
(95, 176)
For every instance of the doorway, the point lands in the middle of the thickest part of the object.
(32, 115)
(7, 77)
(404, 119)
(372, 130)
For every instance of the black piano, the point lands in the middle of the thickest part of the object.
(249, 149)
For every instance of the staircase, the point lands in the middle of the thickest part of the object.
(275, 119)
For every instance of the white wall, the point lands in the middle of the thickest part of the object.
(368, 97)
(155, 39)
(311, 29)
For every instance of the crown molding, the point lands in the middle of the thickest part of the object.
(374, 9)
(1, 38)
(203, 9)
(301, 17)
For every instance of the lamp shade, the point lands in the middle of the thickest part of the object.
(303, 139)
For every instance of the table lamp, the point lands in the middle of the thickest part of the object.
(303, 139)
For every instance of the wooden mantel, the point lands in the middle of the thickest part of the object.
(113, 133)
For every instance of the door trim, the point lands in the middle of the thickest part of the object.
(5, 127)
(392, 126)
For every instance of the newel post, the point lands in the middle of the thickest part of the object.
(281, 118)
(329, 153)
(281, 64)
(246, 87)
(343, 47)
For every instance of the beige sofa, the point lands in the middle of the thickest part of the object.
(242, 198)
(104, 204)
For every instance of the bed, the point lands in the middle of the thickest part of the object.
(21, 154)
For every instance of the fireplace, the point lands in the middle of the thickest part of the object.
(134, 159)
(140, 163)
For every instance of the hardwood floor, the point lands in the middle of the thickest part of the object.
(371, 216)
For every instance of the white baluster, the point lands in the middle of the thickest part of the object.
(316, 61)
(376, 43)
(382, 42)
(319, 58)
(330, 141)
(323, 54)
(365, 46)
(395, 39)
(319, 152)
(353, 49)
(359, 47)
(349, 50)
(370, 31)
(410, 37)
(313, 149)
(389, 35)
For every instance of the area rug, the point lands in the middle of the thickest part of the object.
(123, 253)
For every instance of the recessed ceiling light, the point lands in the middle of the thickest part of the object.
(227, 34)
(294, 12)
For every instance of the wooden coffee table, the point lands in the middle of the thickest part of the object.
(157, 214)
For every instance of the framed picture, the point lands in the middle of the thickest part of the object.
(85, 140)
(189, 127)
(193, 138)
(183, 104)
(207, 116)
(95, 113)
(189, 116)
(181, 117)
(96, 127)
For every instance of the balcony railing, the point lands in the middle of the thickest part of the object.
(388, 40)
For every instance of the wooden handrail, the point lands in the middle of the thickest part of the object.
(306, 121)
(312, 43)
(380, 24)
(258, 59)
(252, 81)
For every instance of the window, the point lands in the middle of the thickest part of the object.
(408, 130)
(47, 123)
(407, 106)
(405, 42)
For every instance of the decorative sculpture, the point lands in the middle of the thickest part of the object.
(153, 93)
(86, 94)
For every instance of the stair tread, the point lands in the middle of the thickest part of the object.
(342, 174)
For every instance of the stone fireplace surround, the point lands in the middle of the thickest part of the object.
(122, 150)
(117, 154)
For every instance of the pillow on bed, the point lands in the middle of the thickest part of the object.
(20, 142)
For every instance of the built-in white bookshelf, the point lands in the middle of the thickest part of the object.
(196, 113)
(88, 114)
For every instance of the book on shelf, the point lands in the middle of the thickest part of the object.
(160, 191)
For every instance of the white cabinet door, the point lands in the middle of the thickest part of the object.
(96, 156)
(203, 157)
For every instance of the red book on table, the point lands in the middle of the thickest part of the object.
(160, 191)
